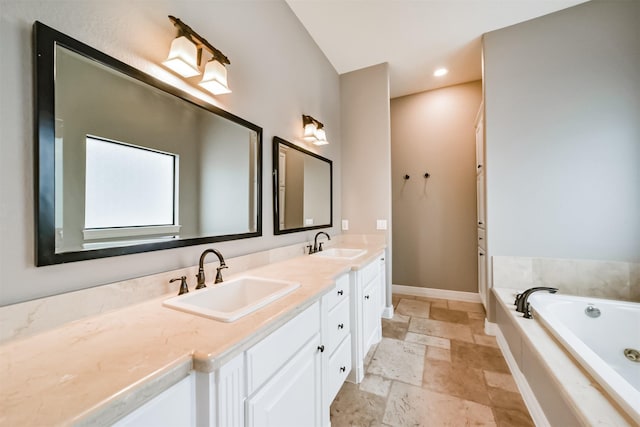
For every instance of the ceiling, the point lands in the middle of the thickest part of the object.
(414, 36)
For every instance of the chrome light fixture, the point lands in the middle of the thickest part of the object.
(185, 57)
(313, 131)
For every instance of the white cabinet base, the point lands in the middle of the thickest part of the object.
(292, 398)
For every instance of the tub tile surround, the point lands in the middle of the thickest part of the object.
(105, 364)
(24, 319)
(567, 393)
(601, 279)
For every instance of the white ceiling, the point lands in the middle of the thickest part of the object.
(414, 36)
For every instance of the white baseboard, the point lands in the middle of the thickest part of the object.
(535, 410)
(387, 313)
(436, 293)
(490, 328)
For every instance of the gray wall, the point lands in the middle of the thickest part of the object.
(434, 219)
(277, 74)
(562, 111)
(366, 155)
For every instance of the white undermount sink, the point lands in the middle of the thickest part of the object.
(342, 253)
(229, 301)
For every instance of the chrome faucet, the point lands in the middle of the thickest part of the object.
(317, 247)
(200, 275)
(522, 303)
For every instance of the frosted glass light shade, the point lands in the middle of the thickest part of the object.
(321, 137)
(183, 57)
(309, 132)
(215, 78)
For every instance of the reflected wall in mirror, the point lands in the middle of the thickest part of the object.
(303, 189)
(128, 164)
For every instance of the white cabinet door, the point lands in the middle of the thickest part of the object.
(293, 397)
(370, 315)
(173, 407)
(383, 284)
(480, 200)
(482, 276)
(479, 147)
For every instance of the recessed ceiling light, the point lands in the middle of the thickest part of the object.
(440, 72)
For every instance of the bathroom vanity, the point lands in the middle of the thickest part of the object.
(152, 365)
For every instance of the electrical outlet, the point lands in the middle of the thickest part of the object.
(381, 224)
(345, 224)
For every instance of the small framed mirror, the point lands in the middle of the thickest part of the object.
(302, 189)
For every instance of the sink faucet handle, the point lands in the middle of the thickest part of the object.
(320, 246)
(183, 284)
(219, 273)
(310, 247)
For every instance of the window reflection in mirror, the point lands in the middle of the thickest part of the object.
(303, 194)
(94, 202)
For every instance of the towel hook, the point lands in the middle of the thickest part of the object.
(427, 174)
(406, 177)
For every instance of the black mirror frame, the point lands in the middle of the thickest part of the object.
(276, 179)
(45, 40)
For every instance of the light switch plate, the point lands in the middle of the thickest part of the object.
(345, 224)
(381, 224)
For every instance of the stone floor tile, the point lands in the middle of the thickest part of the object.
(483, 339)
(369, 356)
(512, 418)
(353, 407)
(437, 353)
(376, 385)
(465, 306)
(455, 380)
(476, 315)
(506, 399)
(395, 327)
(435, 302)
(440, 329)
(412, 308)
(414, 406)
(478, 356)
(451, 316)
(500, 380)
(395, 299)
(477, 326)
(428, 340)
(398, 360)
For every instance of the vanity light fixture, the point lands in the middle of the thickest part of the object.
(313, 131)
(185, 57)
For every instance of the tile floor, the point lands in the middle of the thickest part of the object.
(433, 367)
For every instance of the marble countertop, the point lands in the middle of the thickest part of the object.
(94, 370)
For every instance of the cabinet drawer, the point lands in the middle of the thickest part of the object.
(369, 272)
(340, 292)
(339, 325)
(266, 357)
(339, 368)
(482, 238)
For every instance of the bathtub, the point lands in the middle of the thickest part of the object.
(596, 332)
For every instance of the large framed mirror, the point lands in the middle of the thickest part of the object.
(126, 163)
(302, 190)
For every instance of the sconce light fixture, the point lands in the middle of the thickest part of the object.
(185, 57)
(313, 131)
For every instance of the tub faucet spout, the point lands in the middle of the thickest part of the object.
(522, 303)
